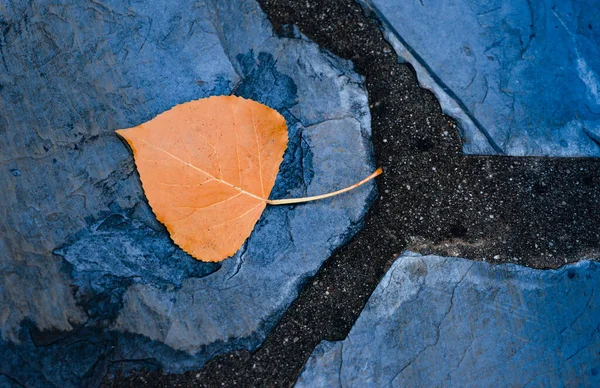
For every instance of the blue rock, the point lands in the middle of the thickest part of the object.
(522, 77)
(89, 279)
(143, 256)
(436, 321)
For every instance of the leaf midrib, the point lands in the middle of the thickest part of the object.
(205, 172)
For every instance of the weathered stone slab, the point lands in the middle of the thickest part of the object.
(437, 322)
(88, 278)
(521, 77)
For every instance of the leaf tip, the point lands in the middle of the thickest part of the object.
(126, 135)
(121, 132)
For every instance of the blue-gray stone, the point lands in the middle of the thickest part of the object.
(521, 77)
(88, 278)
(143, 255)
(448, 322)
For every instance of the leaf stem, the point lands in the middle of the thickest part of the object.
(289, 201)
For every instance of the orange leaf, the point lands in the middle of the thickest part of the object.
(208, 167)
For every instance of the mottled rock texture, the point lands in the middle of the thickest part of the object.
(441, 322)
(88, 279)
(522, 77)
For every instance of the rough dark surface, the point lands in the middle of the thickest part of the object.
(538, 212)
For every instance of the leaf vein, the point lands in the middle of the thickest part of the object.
(236, 218)
(204, 172)
(215, 152)
(194, 185)
(262, 185)
(237, 155)
(200, 208)
(207, 206)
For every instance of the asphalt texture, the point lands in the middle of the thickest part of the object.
(538, 212)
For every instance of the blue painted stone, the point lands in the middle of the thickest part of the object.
(437, 321)
(521, 77)
(89, 279)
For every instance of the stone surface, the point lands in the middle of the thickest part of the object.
(521, 77)
(89, 280)
(438, 322)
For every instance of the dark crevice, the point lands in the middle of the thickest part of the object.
(441, 83)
